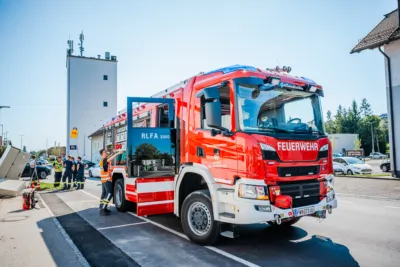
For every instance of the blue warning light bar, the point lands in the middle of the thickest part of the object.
(308, 80)
(232, 69)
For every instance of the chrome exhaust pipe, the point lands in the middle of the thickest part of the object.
(329, 207)
(278, 220)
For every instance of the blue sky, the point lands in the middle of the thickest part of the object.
(159, 43)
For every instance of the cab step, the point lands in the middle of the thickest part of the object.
(228, 234)
(229, 230)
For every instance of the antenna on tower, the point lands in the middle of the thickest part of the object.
(70, 49)
(81, 38)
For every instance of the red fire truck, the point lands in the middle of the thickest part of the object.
(235, 146)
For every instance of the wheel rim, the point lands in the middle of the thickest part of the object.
(42, 175)
(384, 168)
(349, 172)
(199, 218)
(118, 196)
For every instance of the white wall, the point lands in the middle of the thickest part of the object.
(96, 144)
(340, 141)
(393, 51)
(86, 92)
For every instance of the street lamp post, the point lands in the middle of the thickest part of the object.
(372, 138)
(21, 140)
(2, 134)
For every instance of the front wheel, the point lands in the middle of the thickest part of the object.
(198, 220)
(384, 168)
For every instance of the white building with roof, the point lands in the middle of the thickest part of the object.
(91, 98)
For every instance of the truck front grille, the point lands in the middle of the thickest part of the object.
(303, 194)
(298, 171)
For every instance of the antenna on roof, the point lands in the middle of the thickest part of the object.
(81, 38)
(70, 49)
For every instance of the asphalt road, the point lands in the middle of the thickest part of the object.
(363, 231)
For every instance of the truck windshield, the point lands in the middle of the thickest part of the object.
(279, 110)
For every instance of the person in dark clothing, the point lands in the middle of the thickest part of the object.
(80, 174)
(67, 173)
(74, 172)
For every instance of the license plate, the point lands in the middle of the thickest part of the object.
(303, 211)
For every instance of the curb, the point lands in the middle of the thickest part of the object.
(366, 177)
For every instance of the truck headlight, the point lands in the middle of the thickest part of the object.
(253, 192)
(330, 180)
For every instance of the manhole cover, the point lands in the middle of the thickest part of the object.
(14, 218)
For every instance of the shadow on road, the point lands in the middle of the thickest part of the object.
(290, 246)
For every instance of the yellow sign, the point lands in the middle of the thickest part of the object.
(74, 133)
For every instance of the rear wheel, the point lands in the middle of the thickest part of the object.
(121, 204)
(384, 168)
(198, 219)
(349, 172)
(42, 175)
(285, 223)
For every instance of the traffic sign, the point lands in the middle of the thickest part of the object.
(73, 147)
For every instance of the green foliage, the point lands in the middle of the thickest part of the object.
(358, 119)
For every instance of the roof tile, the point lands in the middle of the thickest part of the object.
(386, 31)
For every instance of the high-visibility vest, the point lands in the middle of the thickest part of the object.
(104, 176)
(58, 166)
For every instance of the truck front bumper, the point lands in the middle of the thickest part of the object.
(249, 212)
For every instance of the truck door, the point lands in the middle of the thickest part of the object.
(214, 148)
(151, 153)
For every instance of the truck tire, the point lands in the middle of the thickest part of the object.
(198, 219)
(285, 224)
(121, 204)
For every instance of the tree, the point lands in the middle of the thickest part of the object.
(358, 119)
(365, 108)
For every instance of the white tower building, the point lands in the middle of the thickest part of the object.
(91, 97)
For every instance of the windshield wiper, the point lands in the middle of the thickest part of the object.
(277, 129)
(309, 131)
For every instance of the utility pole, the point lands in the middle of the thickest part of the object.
(21, 140)
(377, 142)
(84, 146)
(372, 138)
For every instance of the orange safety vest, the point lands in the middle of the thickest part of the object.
(104, 176)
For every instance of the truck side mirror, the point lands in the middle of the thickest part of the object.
(213, 114)
(212, 106)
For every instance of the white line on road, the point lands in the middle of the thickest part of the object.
(357, 195)
(221, 252)
(67, 239)
(119, 226)
(345, 201)
(392, 207)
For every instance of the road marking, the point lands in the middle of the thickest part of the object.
(345, 201)
(356, 195)
(392, 207)
(119, 226)
(67, 239)
(216, 250)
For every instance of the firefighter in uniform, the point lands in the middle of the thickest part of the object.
(58, 168)
(106, 181)
(80, 174)
(74, 173)
(67, 174)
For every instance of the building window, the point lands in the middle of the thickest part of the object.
(105, 104)
(105, 77)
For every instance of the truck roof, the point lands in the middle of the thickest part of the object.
(221, 73)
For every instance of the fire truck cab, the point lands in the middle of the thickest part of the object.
(234, 146)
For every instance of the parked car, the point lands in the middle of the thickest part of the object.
(89, 163)
(353, 165)
(377, 155)
(338, 168)
(42, 171)
(94, 171)
(385, 166)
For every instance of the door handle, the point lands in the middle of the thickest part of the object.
(199, 152)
